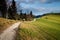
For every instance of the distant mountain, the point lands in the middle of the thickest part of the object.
(37, 16)
(51, 14)
(46, 14)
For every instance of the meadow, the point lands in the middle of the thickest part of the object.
(44, 28)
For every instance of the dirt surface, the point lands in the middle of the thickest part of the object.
(9, 33)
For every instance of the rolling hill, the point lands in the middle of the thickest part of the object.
(44, 28)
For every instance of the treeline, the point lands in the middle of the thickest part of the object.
(25, 16)
(51, 14)
(38, 16)
(10, 11)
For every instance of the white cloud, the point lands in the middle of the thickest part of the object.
(43, 1)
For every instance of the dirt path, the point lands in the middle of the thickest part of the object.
(9, 33)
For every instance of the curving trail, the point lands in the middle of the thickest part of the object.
(10, 33)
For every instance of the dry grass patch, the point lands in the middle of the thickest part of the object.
(5, 23)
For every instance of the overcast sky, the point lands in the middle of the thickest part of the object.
(39, 6)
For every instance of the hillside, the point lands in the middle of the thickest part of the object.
(44, 28)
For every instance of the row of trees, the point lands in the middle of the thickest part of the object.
(11, 11)
(25, 16)
(7, 11)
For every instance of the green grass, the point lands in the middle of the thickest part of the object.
(41, 29)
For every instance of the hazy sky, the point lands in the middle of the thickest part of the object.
(39, 6)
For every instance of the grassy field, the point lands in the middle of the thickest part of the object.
(45, 28)
(5, 23)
